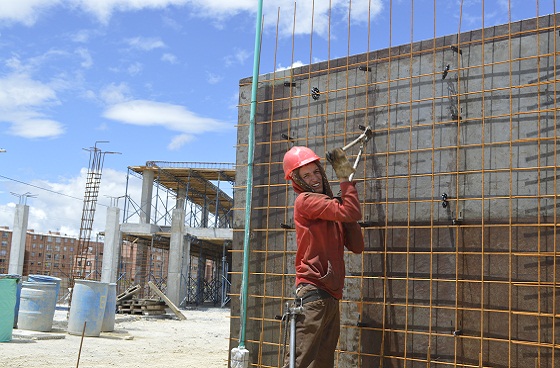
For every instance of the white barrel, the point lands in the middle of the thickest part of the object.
(37, 306)
(87, 306)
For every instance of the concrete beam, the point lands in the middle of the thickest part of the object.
(139, 229)
(210, 233)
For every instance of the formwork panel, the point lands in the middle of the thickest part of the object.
(458, 188)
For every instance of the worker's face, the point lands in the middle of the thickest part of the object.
(311, 175)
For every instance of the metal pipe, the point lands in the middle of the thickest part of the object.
(355, 166)
(293, 340)
(249, 191)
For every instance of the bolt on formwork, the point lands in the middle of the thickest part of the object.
(458, 187)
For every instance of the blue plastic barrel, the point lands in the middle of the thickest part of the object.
(89, 299)
(37, 305)
(110, 309)
(8, 289)
(45, 278)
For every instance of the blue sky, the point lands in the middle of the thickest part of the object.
(159, 79)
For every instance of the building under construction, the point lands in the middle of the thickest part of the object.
(186, 211)
(177, 235)
(459, 189)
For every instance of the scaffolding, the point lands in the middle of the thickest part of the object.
(200, 190)
(459, 190)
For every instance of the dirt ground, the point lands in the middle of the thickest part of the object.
(138, 341)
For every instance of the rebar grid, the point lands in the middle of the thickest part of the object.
(469, 284)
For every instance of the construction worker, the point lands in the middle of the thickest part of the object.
(324, 226)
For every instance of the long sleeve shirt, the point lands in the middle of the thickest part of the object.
(324, 226)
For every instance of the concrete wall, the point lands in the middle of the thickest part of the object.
(474, 281)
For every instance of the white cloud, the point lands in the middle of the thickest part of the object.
(36, 128)
(34, 64)
(134, 68)
(21, 102)
(19, 90)
(103, 10)
(172, 117)
(86, 56)
(239, 56)
(170, 58)
(82, 36)
(179, 141)
(213, 78)
(295, 64)
(115, 93)
(27, 12)
(145, 43)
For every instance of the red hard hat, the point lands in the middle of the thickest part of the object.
(297, 157)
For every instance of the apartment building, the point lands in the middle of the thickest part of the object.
(50, 253)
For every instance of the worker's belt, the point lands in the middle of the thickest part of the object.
(312, 295)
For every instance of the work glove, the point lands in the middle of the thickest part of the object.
(342, 167)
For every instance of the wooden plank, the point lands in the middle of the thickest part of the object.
(153, 307)
(128, 293)
(169, 303)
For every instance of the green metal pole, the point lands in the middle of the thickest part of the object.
(250, 159)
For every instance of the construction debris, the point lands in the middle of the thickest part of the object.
(147, 307)
(127, 303)
(129, 293)
(167, 301)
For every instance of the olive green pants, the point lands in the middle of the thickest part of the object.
(317, 331)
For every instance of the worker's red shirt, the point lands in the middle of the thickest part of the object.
(323, 227)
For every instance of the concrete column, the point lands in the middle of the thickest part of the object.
(200, 278)
(204, 214)
(17, 250)
(181, 197)
(176, 246)
(146, 200)
(185, 267)
(111, 248)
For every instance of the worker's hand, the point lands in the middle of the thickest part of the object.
(342, 167)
